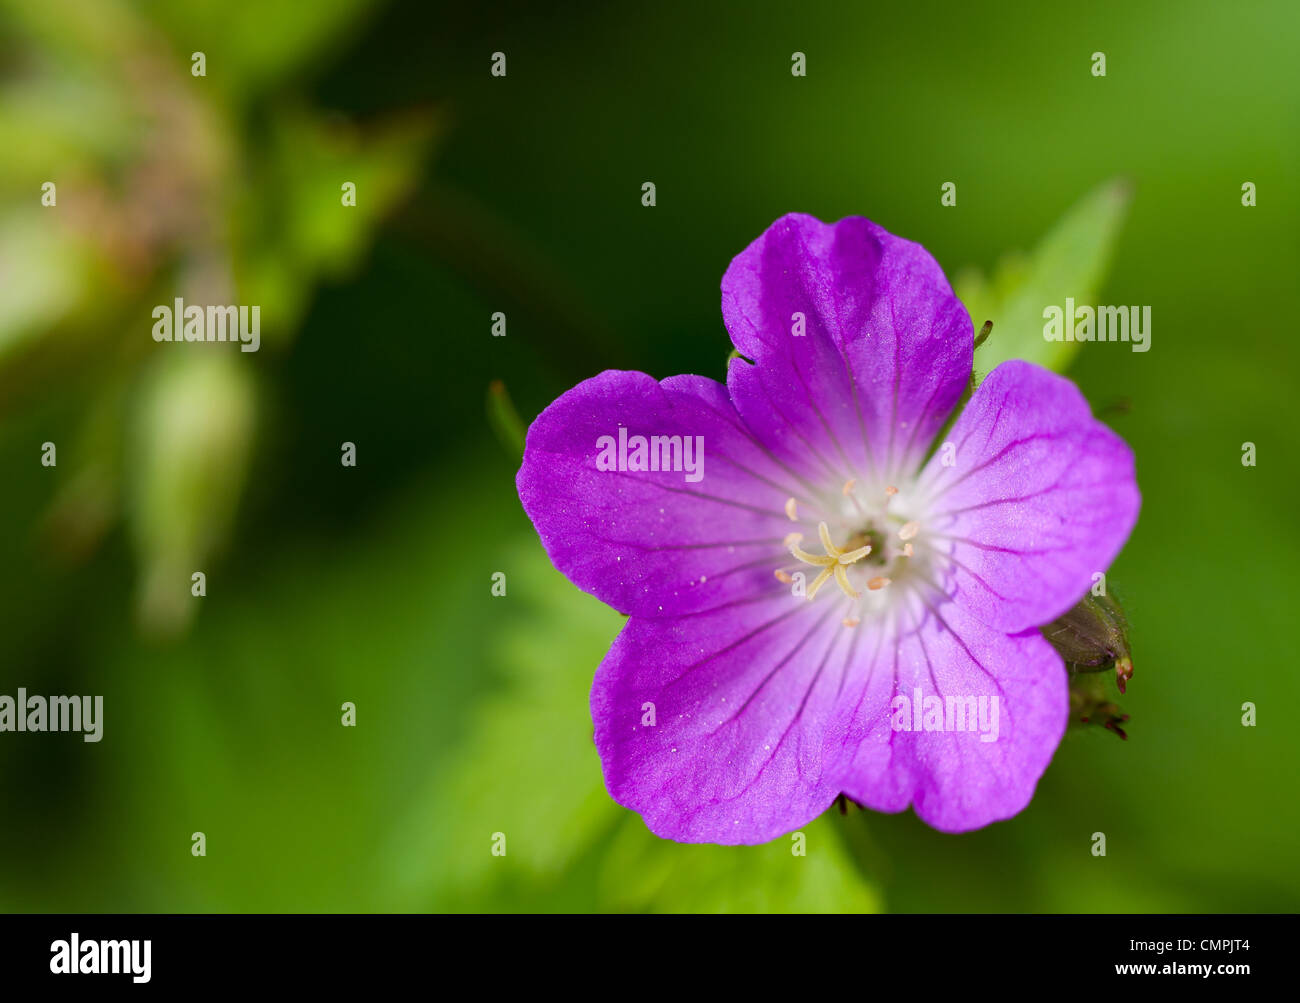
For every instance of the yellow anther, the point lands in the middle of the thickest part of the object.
(891, 491)
(782, 577)
(876, 584)
(791, 511)
(909, 530)
(848, 486)
(850, 621)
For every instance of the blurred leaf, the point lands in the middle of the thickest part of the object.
(644, 873)
(297, 808)
(1071, 261)
(193, 438)
(55, 128)
(43, 273)
(253, 46)
(78, 32)
(528, 767)
(301, 229)
(166, 188)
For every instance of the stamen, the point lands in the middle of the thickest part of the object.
(834, 563)
(876, 584)
(848, 493)
(818, 582)
(850, 621)
(907, 550)
(791, 539)
(817, 560)
(891, 491)
(782, 577)
(825, 535)
(791, 511)
(909, 530)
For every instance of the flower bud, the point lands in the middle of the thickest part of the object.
(1093, 637)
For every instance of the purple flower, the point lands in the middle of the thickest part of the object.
(735, 706)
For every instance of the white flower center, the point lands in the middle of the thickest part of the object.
(868, 548)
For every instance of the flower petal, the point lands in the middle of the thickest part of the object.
(742, 747)
(884, 358)
(653, 543)
(955, 778)
(1041, 497)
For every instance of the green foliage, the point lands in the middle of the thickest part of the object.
(174, 185)
(644, 873)
(1071, 261)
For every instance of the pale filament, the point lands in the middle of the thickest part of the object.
(834, 563)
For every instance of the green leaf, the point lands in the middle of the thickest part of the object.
(527, 767)
(252, 48)
(303, 231)
(1071, 261)
(644, 873)
(47, 273)
(192, 443)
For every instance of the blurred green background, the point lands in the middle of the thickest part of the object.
(521, 194)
